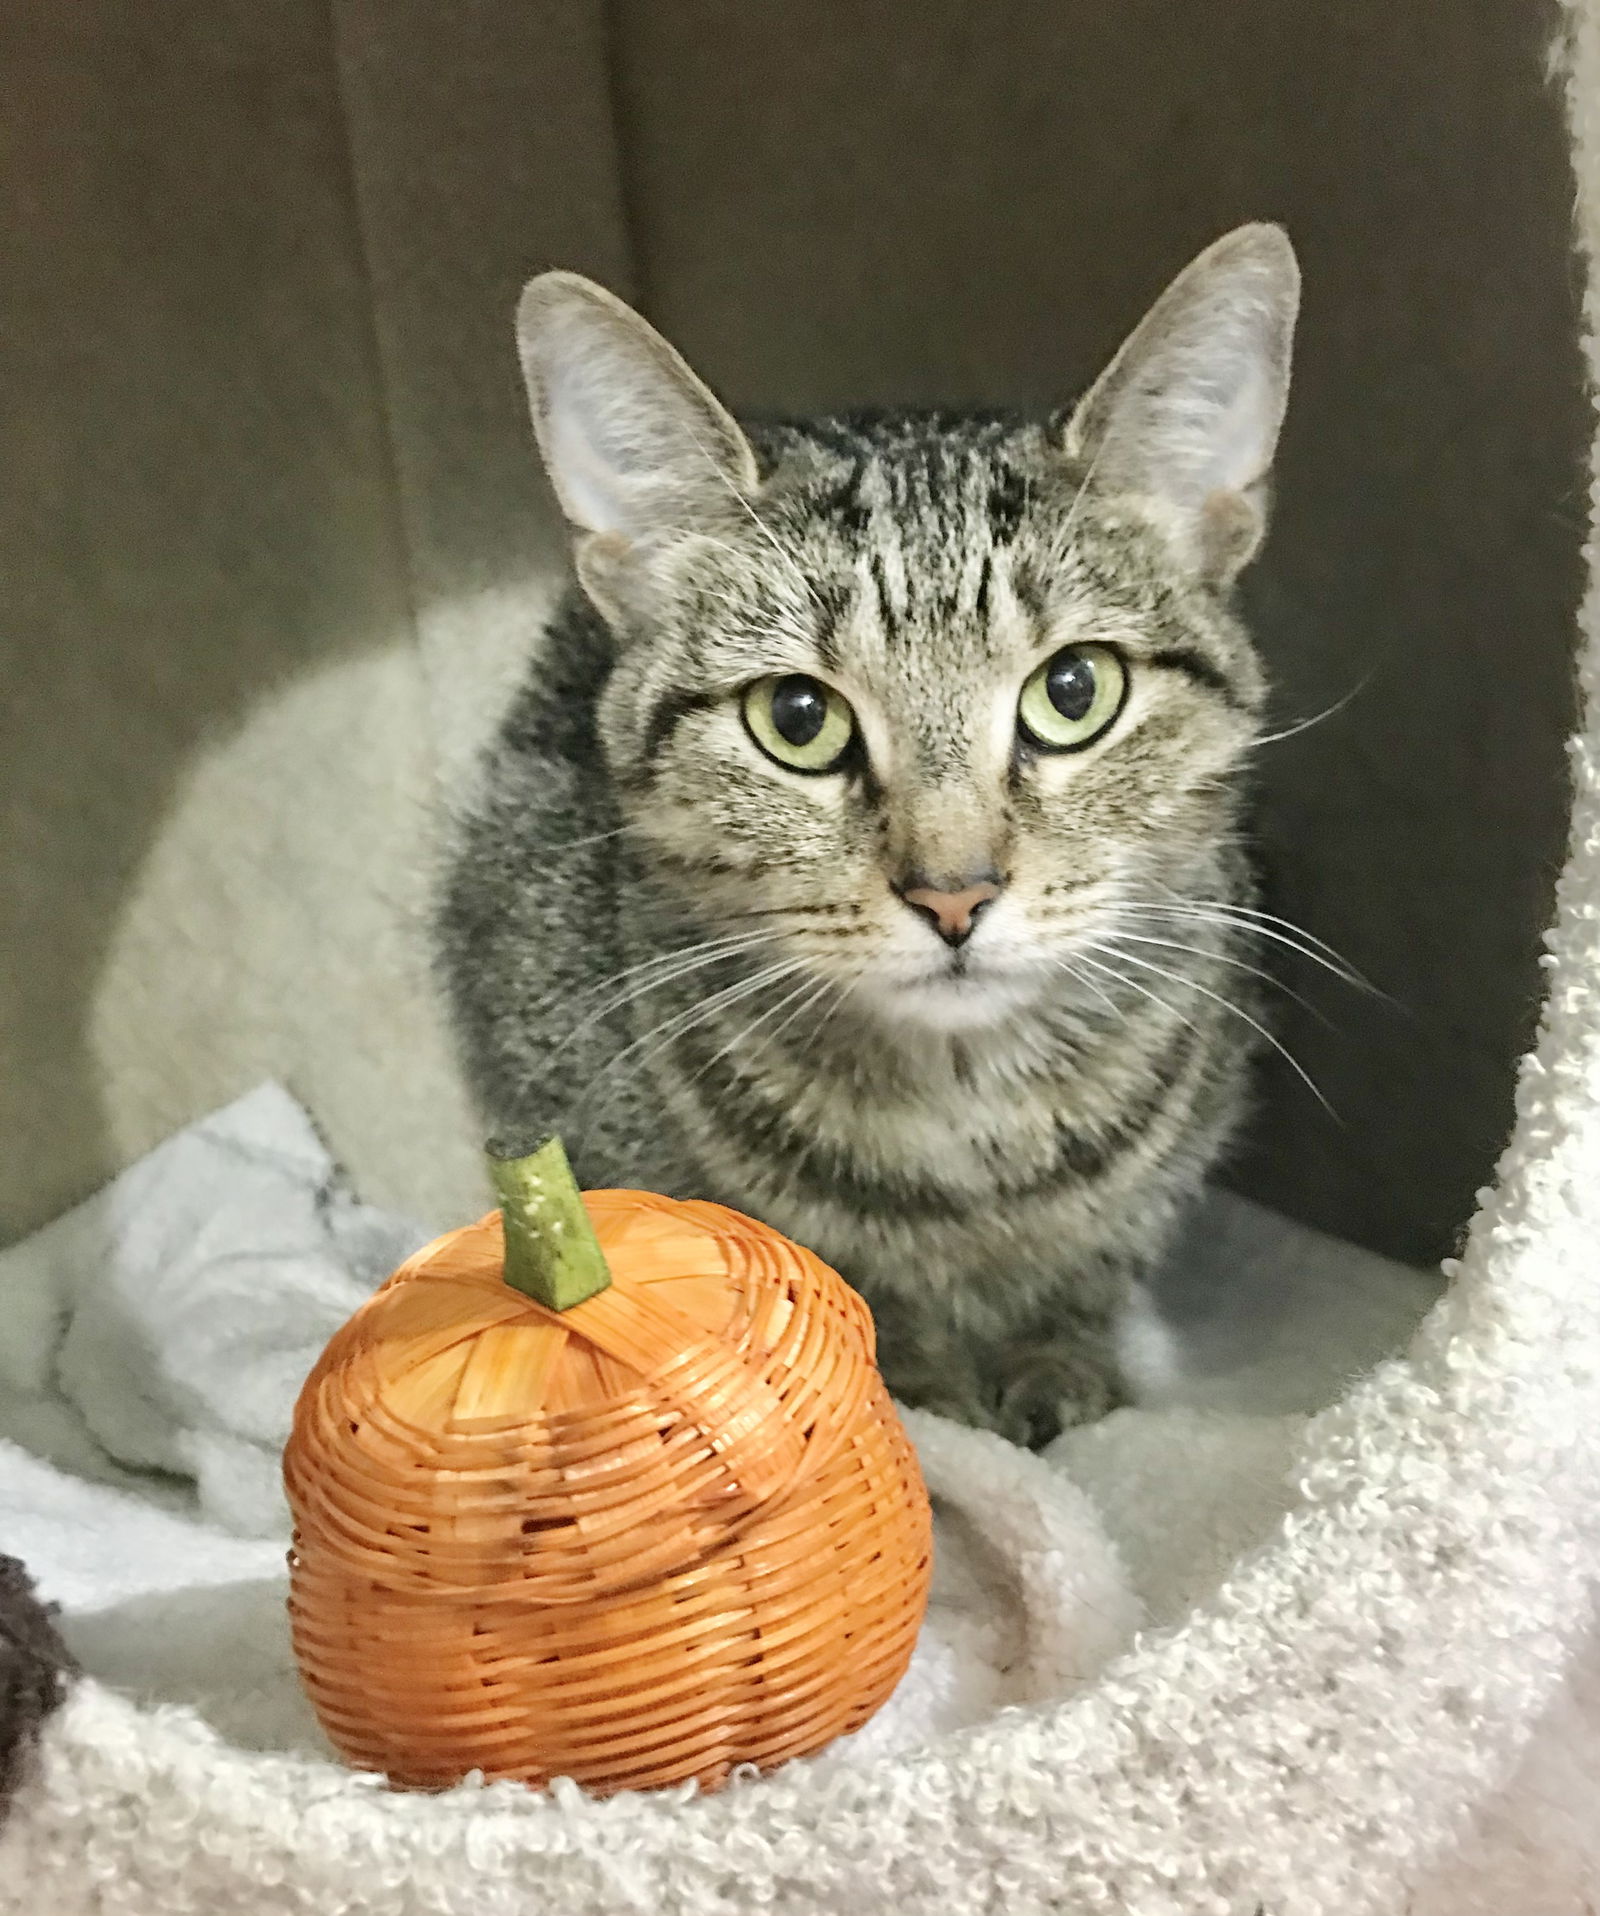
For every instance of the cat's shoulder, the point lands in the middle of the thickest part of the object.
(552, 713)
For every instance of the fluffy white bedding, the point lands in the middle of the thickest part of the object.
(157, 1336)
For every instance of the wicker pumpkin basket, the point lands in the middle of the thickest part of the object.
(607, 1488)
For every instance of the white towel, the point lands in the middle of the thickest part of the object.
(167, 1323)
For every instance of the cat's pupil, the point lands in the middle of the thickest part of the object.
(799, 706)
(1070, 683)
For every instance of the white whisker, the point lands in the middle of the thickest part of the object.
(1227, 1004)
(1144, 991)
(1110, 1003)
(1221, 958)
(806, 991)
(1305, 725)
(1261, 923)
(665, 969)
(674, 952)
(1081, 495)
(839, 992)
(594, 838)
(675, 1026)
(788, 622)
(1248, 911)
(761, 526)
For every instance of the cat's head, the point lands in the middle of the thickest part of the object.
(920, 703)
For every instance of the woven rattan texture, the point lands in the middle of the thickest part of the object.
(675, 1529)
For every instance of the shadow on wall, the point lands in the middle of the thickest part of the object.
(213, 386)
(197, 475)
(194, 495)
(261, 406)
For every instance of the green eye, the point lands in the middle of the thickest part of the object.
(799, 721)
(1072, 698)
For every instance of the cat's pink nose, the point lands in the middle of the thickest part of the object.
(951, 913)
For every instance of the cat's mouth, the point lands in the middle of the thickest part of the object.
(960, 990)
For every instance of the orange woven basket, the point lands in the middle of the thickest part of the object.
(671, 1529)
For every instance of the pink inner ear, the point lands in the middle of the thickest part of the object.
(1193, 403)
(592, 493)
(1244, 429)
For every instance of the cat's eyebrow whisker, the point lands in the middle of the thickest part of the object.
(1238, 1011)
(760, 524)
(786, 607)
(792, 574)
(1080, 497)
(1305, 724)
(788, 622)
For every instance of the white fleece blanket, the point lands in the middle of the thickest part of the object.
(158, 1335)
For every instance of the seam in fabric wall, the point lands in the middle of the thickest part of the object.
(639, 291)
(375, 353)
(480, 146)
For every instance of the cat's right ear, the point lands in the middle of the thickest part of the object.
(635, 445)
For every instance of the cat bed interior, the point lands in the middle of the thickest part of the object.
(160, 1331)
(283, 550)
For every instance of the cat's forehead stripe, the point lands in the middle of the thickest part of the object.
(929, 555)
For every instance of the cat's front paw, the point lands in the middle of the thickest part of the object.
(1045, 1389)
(948, 1389)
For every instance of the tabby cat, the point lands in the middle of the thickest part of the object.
(862, 849)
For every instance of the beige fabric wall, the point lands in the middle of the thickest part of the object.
(263, 442)
(273, 541)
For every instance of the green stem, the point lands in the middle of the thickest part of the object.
(552, 1253)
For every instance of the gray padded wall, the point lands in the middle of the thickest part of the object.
(938, 201)
(262, 424)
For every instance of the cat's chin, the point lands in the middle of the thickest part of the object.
(953, 1001)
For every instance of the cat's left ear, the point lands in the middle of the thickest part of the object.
(1187, 415)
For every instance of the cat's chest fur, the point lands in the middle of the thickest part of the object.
(987, 1193)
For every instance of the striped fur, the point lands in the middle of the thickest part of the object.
(992, 1144)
